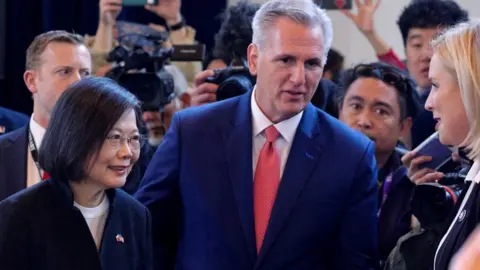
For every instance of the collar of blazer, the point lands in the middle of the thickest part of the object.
(64, 192)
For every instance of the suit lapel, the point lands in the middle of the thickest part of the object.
(14, 161)
(238, 147)
(304, 154)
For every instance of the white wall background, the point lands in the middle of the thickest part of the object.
(351, 43)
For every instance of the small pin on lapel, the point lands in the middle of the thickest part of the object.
(120, 239)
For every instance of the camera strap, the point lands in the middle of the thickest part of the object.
(386, 188)
(34, 152)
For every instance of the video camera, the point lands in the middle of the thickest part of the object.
(234, 80)
(140, 68)
(433, 202)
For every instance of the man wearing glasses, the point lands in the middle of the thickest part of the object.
(380, 101)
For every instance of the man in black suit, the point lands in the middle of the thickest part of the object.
(11, 120)
(55, 60)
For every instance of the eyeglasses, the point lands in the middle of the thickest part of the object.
(134, 142)
(394, 79)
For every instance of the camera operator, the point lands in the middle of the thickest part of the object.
(231, 42)
(105, 38)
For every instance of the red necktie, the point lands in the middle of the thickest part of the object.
(267, 178)
(45, 175)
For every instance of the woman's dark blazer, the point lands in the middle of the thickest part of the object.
(40, 228)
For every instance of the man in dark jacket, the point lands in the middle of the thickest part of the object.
(380, 101)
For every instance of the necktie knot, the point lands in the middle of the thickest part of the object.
(271, 133)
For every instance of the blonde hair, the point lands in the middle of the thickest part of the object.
(459, 50)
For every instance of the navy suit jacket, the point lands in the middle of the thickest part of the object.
(199, 189)
(11, 120)
(41, 229)
(13, 164)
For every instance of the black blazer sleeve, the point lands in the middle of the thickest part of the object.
(148, 245)
(14, 235)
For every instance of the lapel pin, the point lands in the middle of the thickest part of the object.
(120, 239)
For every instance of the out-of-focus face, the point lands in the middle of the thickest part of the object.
(61, 64)
(159, 122)
(419, 53)
(372, 107)
(116, 158)
(288, 67)
(445, 102)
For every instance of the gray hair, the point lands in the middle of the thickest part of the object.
(304, 12)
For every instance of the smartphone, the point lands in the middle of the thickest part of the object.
(334, 4)
(139, 2)
(440, 153)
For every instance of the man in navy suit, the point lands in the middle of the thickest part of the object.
(11, 120)
(265, 180)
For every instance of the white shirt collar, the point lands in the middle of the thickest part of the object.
(37, 132)
(474, 172)
(286, 128)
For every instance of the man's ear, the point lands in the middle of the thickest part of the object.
(29, 77)
(186, 100)
(252, 57)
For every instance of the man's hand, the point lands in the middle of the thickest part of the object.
(468, 257)
(364, 17)
(417, 175)
(109, 10)
(202, 92)
(169, 10)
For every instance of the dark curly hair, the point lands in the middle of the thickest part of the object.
(430, 14)
(236, 32)
(409, 99)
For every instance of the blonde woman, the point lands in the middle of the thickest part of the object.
(455, 103)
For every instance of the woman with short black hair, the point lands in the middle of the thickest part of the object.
(79, 218)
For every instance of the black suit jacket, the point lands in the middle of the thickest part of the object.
(13, 164)
(40, 228)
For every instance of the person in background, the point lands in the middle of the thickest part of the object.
(80, 218)
(106, 36)
(265, 180)
(381, 101)
(419, 23)
(334, 66)
(11, 120)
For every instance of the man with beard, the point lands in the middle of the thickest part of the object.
(380, 101)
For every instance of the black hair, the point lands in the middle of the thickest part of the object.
(408, 98)
(430, 14)
(334, 64)
(80, 122)
(236, 31)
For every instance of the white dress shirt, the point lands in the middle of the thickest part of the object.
(33, 175)
(286, 128)
(473, 175)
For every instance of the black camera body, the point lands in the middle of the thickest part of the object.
(433, 202)
(141, 71)
(232, 81)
